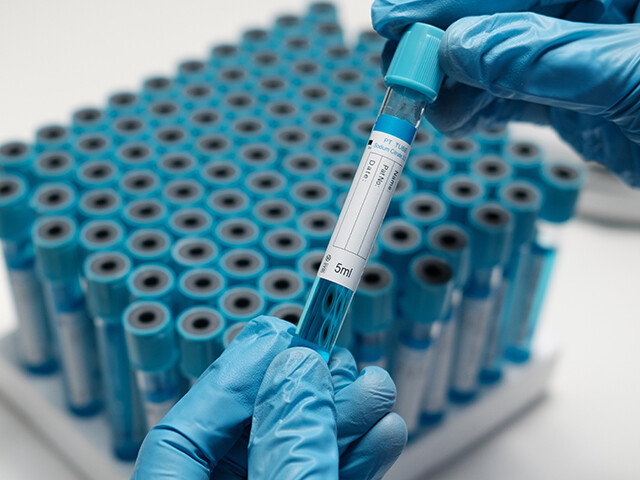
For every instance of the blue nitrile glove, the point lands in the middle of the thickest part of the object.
(544, 67)
(206, 433)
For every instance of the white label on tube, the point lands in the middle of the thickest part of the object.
(364, 209)
(472, 336)
(435, 390)
(33, 336)
(75, 332)
(410, 375)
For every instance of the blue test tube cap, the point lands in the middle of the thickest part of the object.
(56, 246)
(415, 64)
(101, 235)
(281, 285)
(150, 336)
(491, 227)
(373, 304)
(201, 285)
(424, 209)
(561, 183)
(241, 304)
(452, 241)
(53, 198)
(16, 157)
(431, 280)
(15, 214)
(200, 330)
(523, 199)
(151, 282)
(106, 274)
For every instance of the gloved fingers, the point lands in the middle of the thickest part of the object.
(460, 109)
(373, 455)
(391, 17)
(362, 404)
(233, 465)
(343, 368)
(200, 429)
(293, 434)
(590, 69)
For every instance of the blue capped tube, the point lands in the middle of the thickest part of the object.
(242, 265)
(424, 209)
(492, 139)
(426, 303)
(283, 246)
(399, 242)
(273, 212)
(183, 192)
(241, 304)
(205, 120)
(17, 157)
(152, 282)
(139, 183)
(193, 252)
(462, 192)
(107, 297)
(317, 226)
(35, 343)
(100, 235)
(219, 173)
(410, 90)
(372, 316)
(100, 203)
(52, 137)
(228, 203)
(58, 262)
(266, 184)
(200, 332)
(525, 158)
(88, 119)
(54, 165)
(153, 353)
(232, 332)
(177, 165)
(429, 170)
(308, 265)
(491, 227)
(288, 311)
(257, 156)
(96, 174)
(237, 233)
(164, 112)
(53, 198)
(461, 152)
(493, 171)
(199, 286)
(144, 213)
(280, 285)
(523, 199)
(190, 222)
(560, 185)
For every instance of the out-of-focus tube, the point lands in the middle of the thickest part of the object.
(177, 165)
(241, 304)
(144, 213)
(288, 311)
(107, 297)
(308, 265)
(372, 315)
(427, 301)
(53, 199)
(424, 209)
(462, 192)
(232, 332)
(96, 174)
(399, 241)
(152, 282)
(183, 192)
(429, 171)
(35, 344)
(132, 155)
(301, 166)
(491, 227)
(237, 233)
(199, 286)
(492, 139)
(283, 246)
(219, 173)
(228, 203)
(54, 166)
(280, 285)
(273, 212)
(139, 183)
(257, 156)
(58, 263)
(460, 152)
(317, 226)
(200, 331)
(100, 235)
(88, 119)
(194, 252)
(190, 222)
(493, 171)
(267, 184)
(560, 184)
(100, 203)
(525, 158)
(523, 199)
(148, 245)
(153, 353)
(242, 265)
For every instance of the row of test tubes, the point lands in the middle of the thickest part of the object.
(142, 237)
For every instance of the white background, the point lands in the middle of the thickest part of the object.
(58, 55)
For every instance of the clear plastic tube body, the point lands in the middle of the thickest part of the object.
(360, 219)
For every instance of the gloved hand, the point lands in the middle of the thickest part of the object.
(545, 67)
(307, 420)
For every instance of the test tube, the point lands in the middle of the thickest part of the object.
(139, 183)
(183, 192)
(153, 353)
(88, 119)
(560, 185)
(340, 175)
(190, 221)
(152, 282)
(35, 343)
(280, 285)
(129, 129)
(272, 86)
(143, 213)
(281, 112)
(218, 173)
(200, 331)
(301, 166)
(100, 203)
(241, 304)
(228, 203)
(17, 157)
(256, 39)
(100, 235)
(492, 139)
(283, 246)
(131, 155)
(493, 171)
(58, 262)
(491, 228)
(96, 174)
(236, 233)
(424, 210)
(450, 241)
(177, 165)
(191, 70)
(171, 138)
(291, 139)
(192, 252)
(399, 242)
(523, 199)
(288, 311)
(205, 120)
(199, 286)
(308, 265)
(242, 265)
(224, 54)
(246, 130)
(257, 156)
(307, 194)
(525, 157)
(53, 199)
(317, 226)
(164, 112)
(52, 137)
(158, 87)
(462, 192)
(197, 95)
(370, 194)
(273, 212)
(265, 184)
(372, 314)
(123, 103)
(460, 152)
(107, 297)
(54, 165)
(427, 302)
(148, 245)
(429, 170)
(325, 122)
(212, 146)
(232, 332)
(336, 149)
(238, 104)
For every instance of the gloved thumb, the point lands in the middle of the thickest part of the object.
(294, 433)
(587, 68)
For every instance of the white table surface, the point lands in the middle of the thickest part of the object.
(56, 56)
